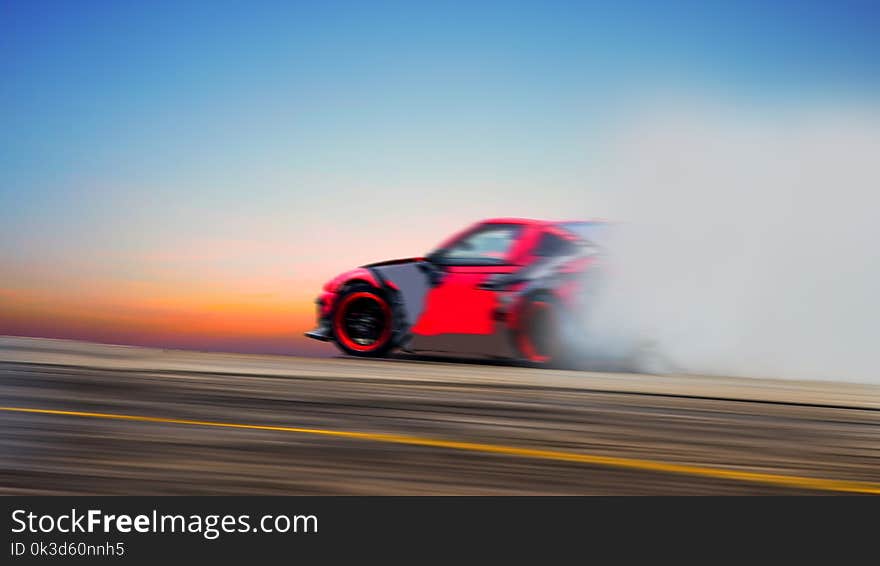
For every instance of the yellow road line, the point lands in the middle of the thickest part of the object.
(612, 461)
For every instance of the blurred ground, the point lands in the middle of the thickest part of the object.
(815, 429)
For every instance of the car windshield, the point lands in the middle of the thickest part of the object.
(487, 245)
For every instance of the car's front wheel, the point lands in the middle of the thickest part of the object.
(363, 321)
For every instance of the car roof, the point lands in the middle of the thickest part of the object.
(565, 224)
(520, 221)
(581, 229)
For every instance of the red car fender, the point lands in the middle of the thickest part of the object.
(332, 287)
(356, 274)
(560, 295)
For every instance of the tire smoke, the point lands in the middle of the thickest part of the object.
(747, 245)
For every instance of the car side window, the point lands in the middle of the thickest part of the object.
(551, 245)
(486, 246)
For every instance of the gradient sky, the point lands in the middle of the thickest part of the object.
(187, 174)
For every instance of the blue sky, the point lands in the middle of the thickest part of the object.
(128, 129)
(160, 90)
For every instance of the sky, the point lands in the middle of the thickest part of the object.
(188, 174)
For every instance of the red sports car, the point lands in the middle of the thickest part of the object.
(503, 288)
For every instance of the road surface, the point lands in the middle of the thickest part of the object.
(127, 420)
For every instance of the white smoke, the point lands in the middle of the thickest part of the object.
(748, 245)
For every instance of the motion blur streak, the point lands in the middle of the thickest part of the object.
(747, 243)
(636, 464)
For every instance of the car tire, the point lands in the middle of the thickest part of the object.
(362, 321)
(538, 331)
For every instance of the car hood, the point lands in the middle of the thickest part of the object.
(395, 262)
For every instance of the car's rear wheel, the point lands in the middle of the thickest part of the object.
(363, 321)
(537, 334)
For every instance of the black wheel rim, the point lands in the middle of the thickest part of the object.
(364, 321)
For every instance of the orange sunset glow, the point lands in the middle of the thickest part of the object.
(202, 292)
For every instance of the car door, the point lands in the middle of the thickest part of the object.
(459, 316)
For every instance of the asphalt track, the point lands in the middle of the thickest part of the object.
(83, 418)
